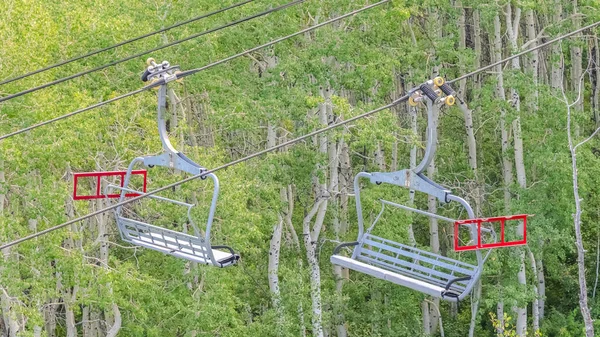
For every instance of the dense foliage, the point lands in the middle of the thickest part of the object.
(81, 279)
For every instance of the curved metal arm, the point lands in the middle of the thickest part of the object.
(432, 121)
(359, 215)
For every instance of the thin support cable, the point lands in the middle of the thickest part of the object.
(260, 153)
(85, 72)
(179, 24)
(193, 71)
(235, 162)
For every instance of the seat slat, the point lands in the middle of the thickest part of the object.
(371, 239)
(170, 242)
(419, 257)
(459, 286)
(417, 270)
(418, 285)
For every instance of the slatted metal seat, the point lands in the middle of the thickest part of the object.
(409, 266)
(197, 247)
(173, 243)
(417, 269)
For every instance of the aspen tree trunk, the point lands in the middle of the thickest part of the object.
(345, 183)
(477, 41)
(506, 162)
(69, 296)
(10, 323)
(576, 61)
(594, 78)
(500, 316)
(462, 45)
(541, 287)
(535, 307)
(512, 25)
(273, 271)
(334, 191)
(112, 317)
(311, 237)
(556, 55)
(271, 135)
(289, 195)
(310, 244)
(533, 65)
(536, 264)
(583, 291)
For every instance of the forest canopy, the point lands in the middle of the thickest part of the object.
(520, 139)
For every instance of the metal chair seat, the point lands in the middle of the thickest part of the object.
(430, 273)
(173, 243)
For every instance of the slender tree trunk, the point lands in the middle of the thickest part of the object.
(535, 307)
(500, 316)
(310, 244)
(533, 65)
(556, 55)
(541, 286)
(273, 271)
(289, 193)
(576, 59)
(583, 291)
(594, 78)
(506, 162)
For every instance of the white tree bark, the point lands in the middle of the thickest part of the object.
(583, 291)
(533, 65)
(289, 197)
(273, 271)
(556, 55)
(535, 307)
(506, 162)
(310, 244)
(512, 25)
(500, 317)
(116, 326)
(541, 286)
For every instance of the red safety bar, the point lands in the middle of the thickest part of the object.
(98, 176)
(501, 243)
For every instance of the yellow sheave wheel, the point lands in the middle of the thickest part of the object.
(412, 102)
(179, 80)
(450, 100)
(439, 81)
(149, 61)
(154, 80)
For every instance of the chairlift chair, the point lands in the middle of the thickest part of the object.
(417, 269)
(196, 247)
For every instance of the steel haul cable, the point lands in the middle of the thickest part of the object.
(260, 153)
(179, 24)
(85, 72)
(191, 72)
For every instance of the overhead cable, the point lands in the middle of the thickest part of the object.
(85, 72)
(260, 153)
(98, 51)
(235, 162)
(191, 72)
